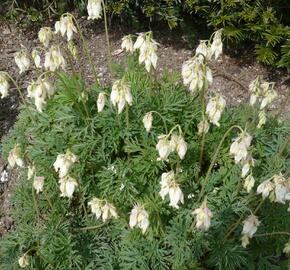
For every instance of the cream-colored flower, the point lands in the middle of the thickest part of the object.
(203, 50)
(101, 101)
(139, 217)
(170, 187)
(4, 85)
(249, 183)
(22, 60)
(239, 147)
(66, 26)
(54, 59)
(15, 157)
(30, 172)
(38, 183)
(202, 127)
(248, 163)
(67, 186)
(265, 188)
(214, 109)
(36, 58)
(24, 261)
(45, 35)
(121, 94)
(217, 45)
(269, 97)
(163, 147)
(203, 217)
(101, 208)
(251, 224)
(96, 207)
(282, 188)
(127, 44)
(64, 162)
(245, 241)
(181, 147)
(262, 119)
(94, 9)
(147, 121)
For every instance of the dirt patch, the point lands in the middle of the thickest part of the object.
(232, 76)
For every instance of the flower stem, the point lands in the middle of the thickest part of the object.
(214, 160)
(163, 119)
(35, 204)
(271, 234)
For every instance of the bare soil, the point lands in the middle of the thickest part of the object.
(233, 73)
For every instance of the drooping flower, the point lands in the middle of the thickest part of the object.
(247, 164)
(54, 59)
(148, 48)
(101, 101)
(24, 261)
(269, 96)
(121, 94)
(30, 172)
(22, 60)
(249, 183)
(163, 147)
(262, 119)
(4, 85)
(214, 109)
(196, 74)
(202, 127)
(282, 188)
(287, 248)
(179, 145)
(240, 145)
(170, 187)
(217, 45)
(64, 162)
(66, 26)
(203, 217)
(147, 121)
(250, 227)
(203, 50)
(38, 183)
(265, 188)
(67, 186)
(94, 9)
(45, 35)
(139, 217)
(15, 157)
(127, 44)
(36, 58)
(101, 208)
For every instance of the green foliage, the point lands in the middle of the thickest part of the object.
(65, 235)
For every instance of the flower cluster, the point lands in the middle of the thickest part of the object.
(203, 217)
(66, 26)
(263, 92)
(121, 94)
(54, 59)
(15, 157)
(127, 44)
(62, 165)
(170, 143)
(214, 109)
(139, 217)
(170, 187)
(250, 227)
(101, 208)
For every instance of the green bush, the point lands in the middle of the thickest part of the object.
(117, 161)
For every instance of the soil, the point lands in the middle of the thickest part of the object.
(233, 73)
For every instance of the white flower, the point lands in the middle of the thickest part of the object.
(250, 227)
(202, 127)
(214, 109)
(101, 101)
(181, 147)
(121, 94)
(54, 59)
(148, 48)
(64, 162)
(239, 147)
(30, 171)
(38, 183)
(163, 147)
(4, 85)
(15, 157)
(249, 183)
(36, 58)
(101, 208)
(262, 119)
(248, 163)
(170, 187)
(22, 60)
(265, 188)
(217, 45)
(270, 95)
(127, 44)
(147, 121)
(4, 176)
(203, 49)
(23, 261)
(67, 186)
(139, 218)
(196, 74)
(282, 188)
(45, 35)
(66, 26)
(203, 217)
(94, 8)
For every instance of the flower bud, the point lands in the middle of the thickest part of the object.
(147, 121)
(101, 101)
(36, 58)
(23, 261)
